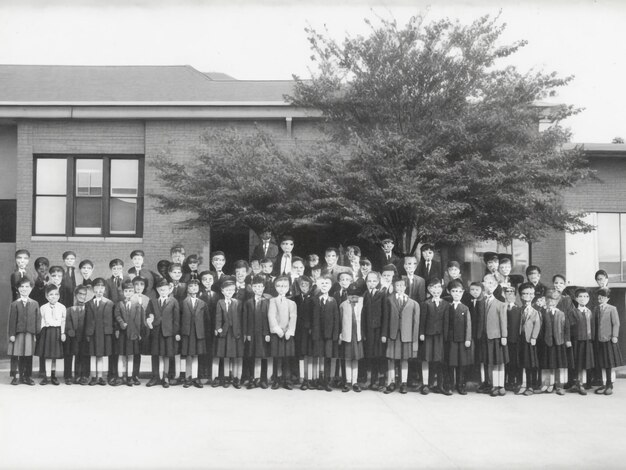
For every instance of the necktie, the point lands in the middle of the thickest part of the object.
(128, 306)
(227, 304)
(97, 303)
(193, 302)
(427, 266)
(388, 256)
(474, 303)
(21, 273)
(373, 290)
(24, 302)
(162, 301)
(265, 248)
(117, 281)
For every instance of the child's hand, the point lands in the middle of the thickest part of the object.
(177, 337)
(139, 337)
(339, 341)
(124, 325)
(614, 339)
(149, 322)
(247, 338)
(287, 336)
(533, 341)
(12, 339)
(281, 334)
(267, 338)
(468, 344)
(219, 331)
(63, 337)
(383, 339)
(503, 341)
(117, 333)
(568, 344)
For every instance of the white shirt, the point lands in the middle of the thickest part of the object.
(53, 316)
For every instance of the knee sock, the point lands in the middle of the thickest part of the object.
(93, 366)
(270, 368)
(391, 372)
(257, 369)
(301, 369)
(48, 366)
(188, 371)
(177, 366)
(194, 366)
(215, 368)
(120, 366)
(129, 365)
(425, 374)
(99, 366)
(404, 371)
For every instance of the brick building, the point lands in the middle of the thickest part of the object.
(76, 152)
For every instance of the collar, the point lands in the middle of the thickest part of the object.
(24, 299)
(258, 297)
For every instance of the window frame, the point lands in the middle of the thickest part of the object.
(70, 205)
(620, 236)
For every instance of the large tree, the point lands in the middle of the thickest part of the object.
(443, 137)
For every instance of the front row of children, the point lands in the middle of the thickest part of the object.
(373, 325)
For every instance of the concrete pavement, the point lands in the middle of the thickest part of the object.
(139, 427)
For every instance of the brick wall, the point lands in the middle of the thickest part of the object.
(605, 193)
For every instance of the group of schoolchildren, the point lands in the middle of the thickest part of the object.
(281, 320)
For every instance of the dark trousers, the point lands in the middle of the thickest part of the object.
(22, 365)
(42, 367)
(67, 366)
(436, 373)
(513, 375)
(136, 364)
(155, 366)
(113, 365)
(455, 376)
(14, 365)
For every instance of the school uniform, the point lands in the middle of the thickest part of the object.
(267, 249)
(189, 275)
(76, 346)
(99, 326)
(496, 329)
(401, 327)
(530, 328)
(256, 326)
(68, 284)
(24, 324)
(340, 295)
(556, 333)
(282, 316)
(217, 284)
(325, 327)
(165, 327)
(192, 329)
(513, 319)
(432, 327)
(583, 334)
(609, 353)
(458, 331)
(210, 298)
(150, 278)
(15, 278)
(352, 330)
(179, 292)
(415, 288)
(283, 264)
(540, 291)
(382, 258)
(38, 293)
(49, 345)
(131, 314)
(373, 313)
(427, 270)
(304, 308)
(113, 289)
(227, 318)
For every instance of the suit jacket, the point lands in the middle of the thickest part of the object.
(402, 321)
(75, 322)
(112, 292)
(68, 284)
(190, 314)
(477, 312)
(99, 317)
(168, 315)
(133, 318)
(282, 316)
(150, 278)
(513, 321)
(325, 322)
(579, 331)
(272, 252)
(495, 319)
(255, 319)
(345, 310)
(179, 292)
(210, 299)
(434, 271)
(556, 327)
(530, 324)
(416, 289)
(608, 322)
(228, 318)
(24, 319)
(432, 318)
(340, 297)
(304, 305)
(373, 308)
(459, 324)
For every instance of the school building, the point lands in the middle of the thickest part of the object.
(78, 143)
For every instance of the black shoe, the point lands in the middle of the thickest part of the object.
(129, 382)
(264, 385)
(135, 380)
(275, 385)
(29, 381)
(152, 382)
(76, 380)
(608, 390)
(462, 390)
(54, 380)
(356, 387)
(166, 383)
(15, 381)
(44, 381)
(446, 391)
(93, 381)
(187, 383)
(84, 381)
(390, 388)
(403, 388)
(346, 388)
(425, 390)
(495, 392)
(216, 382)
(327, 387)
(528, 392)
(287, 385)
(197, 383)
(101, 381)
(250, 385)
(236, 383)
(68, 381)
(305, 385)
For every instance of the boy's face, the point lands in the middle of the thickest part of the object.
(350, 253)
(86, 271)
(313, 260)
(193, 289)
(98, 290)
(475, 291)
(456, 293)
(282, 287)
(428, 255)
(178, 257)
(305, 287)
(193, 266)
(81, 296)
(117, 270)
(258, 288)
(454, 272)
(286, 246)
(56, 278)
(128, 293)
(139, 287)
(331, 258)
(207, 281)
(582, 298)
(551, 302)
(410, 265)
(345, 280)
(255, 266)
(509, 296)
(366, 269)
(69, 260)
(163, 291)
(527, 295)
(399, 287)
(602, 280)
(435, 290)
(504, 268)
(240, 274)
(218, 262)
(534, 276)
(541, 301)
(324, 285)
(388, 246)
(387, 276)
(372, 281)
(602, 299)
(559, 284)
(137, 261)
(492, 265)
(22, 260)
(266, 268)
(490, 285)
(228, 291)
(24, 289)
(298, 267)
(266, 236)
(53, 296)
(176, 274)
(42, 270)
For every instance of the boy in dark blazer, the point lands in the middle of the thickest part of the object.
(325, 331)
(22, 257)
(137, 257)
(373, 313)
(24, 325)
(385, 255)
(69, 275)
(513, 371)
(428, 267)
(266, 248)
(114, 291)
(99, 331)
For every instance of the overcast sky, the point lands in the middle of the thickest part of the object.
(266, 40)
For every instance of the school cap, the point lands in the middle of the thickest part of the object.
(56, 269)
(286, 238)
(228, 281)
(390, 267)
(218, 253)
(193, 259)
(504, 257)
(43, 260)
(137, 253)
(85, 262)
(490, 256)
(163, 265)
(387, 239)
(509, 289)
(454, 264)
(193, 281)
(427, 247)
(51, 287)
(68, 253)
(162, 283)
(115, 262)
(128, 285)
(99, 282)
(80, 288)
(356, 289)
(365, 262)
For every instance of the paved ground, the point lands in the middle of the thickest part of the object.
(105, 427)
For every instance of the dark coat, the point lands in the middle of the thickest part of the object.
(459, 323)
(99, 318)
(255, 321)
(373, 308)
(75, 323)
(432, 317)
(228, 319)
(325, 323)
(416, 289)
(168, 316)
(513, 320)
(133, 318)
(196, 314)
(112, 292)
(24, 319)
(272, 252)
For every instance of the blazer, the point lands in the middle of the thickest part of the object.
(432, 318)
(340, 297)
(167, 316)
(272, 252)
(380, 260)
(513, 321)
(345, 310)
(579, 330)
(434, 271)
(255, 319)
(282, 316)
(325, 322)
(402, 321)
(304, 304)
(228, 318)
(210, 299)
(608, 322)
(416, 289)
(133, 319)
(75, 322)
(373, 308)
(190, 314)
(112, 292)
(477, 312)
(556, 330)
(495, 319)
(99, 317)
(459, 322)
(530, 323)
(24, 319)
(68, 284)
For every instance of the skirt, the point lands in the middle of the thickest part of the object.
(432, 349)
(228, 345)
(191, 345)
(353, 350)
(373, 345)
(584, 357)
(331, 349)
(609, 355)
(396, 349)
(317, 348)
(496, 353)
(554, 357)
(459, 355)
(100, 345)
(481, 352)
(281, 347)
(49, 345)
(513, 354)
(160, 345)
(257, 348)
(124, 346)
(528, 358)
(24, 345)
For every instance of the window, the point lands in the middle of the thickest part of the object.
(88, 196)
(611, 240)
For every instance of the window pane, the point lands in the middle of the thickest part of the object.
(88, 216)
(51, 176)
(123, 216)
(609, 245)
(50, 215)
(124, 178)
(88, 177)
